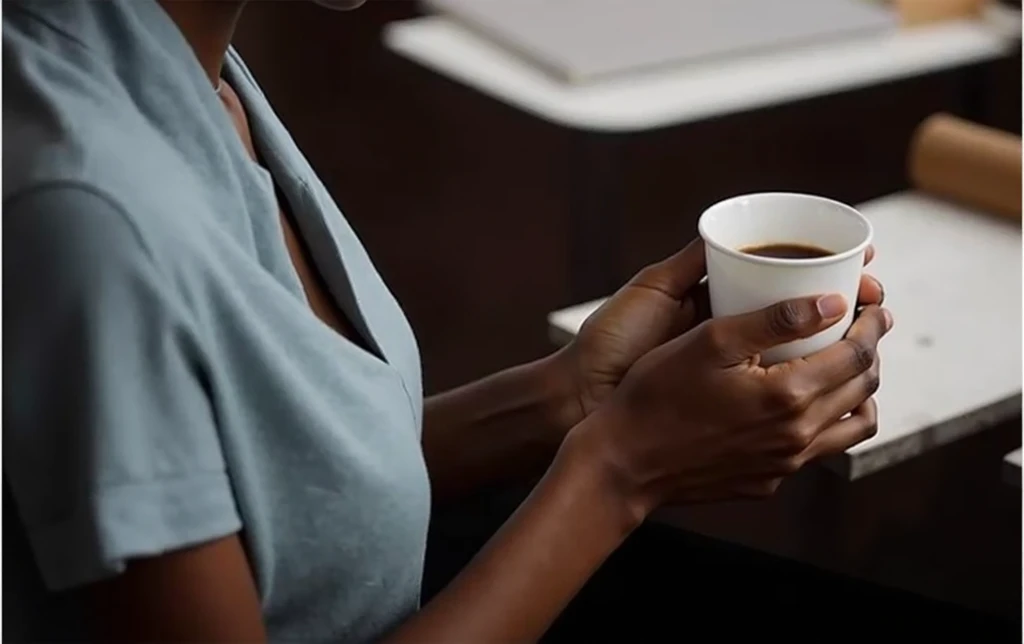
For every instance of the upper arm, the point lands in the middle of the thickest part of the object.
(199, 594)
(111, 450)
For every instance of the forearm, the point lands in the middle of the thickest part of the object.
(506, 426)
(528, 572)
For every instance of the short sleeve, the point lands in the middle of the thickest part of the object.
(110, 444)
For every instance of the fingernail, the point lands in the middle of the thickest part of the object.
(881, 290)
(831, 306)
(888, 319)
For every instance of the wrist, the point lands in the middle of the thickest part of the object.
(557, 374)
(589, 451)
(554, 376)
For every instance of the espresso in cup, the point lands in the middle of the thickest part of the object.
(787, 251)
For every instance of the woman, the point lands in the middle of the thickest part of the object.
(213, 407)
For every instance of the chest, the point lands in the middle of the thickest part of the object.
(321, 435)
(318, 296)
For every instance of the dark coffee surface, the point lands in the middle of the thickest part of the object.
(787, 251)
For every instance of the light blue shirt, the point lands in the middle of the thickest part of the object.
(165, 381)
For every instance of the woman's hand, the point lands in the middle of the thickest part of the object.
(660, 303)
(699, 419)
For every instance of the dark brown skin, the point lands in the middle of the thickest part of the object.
(652, 404)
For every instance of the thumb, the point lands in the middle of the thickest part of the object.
(677, 274)
(744, 336)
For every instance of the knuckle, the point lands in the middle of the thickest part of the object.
(647, 275)
(789, 397)
(798, 437)
(872, 382)
(761, 489)
(787, 317)
(874, 323)
(770, 487)
(870, 430)
(862, 356)
(878, 313)
(790, 465)
(716, 336)
(871, 409)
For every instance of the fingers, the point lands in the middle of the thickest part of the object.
(852, 356)
(827, 410)
(761, 488)
(701, 300)
(870, 292)
(840, 436)
(677, 274)
(695, 308)
(740, 337)
(860, 426)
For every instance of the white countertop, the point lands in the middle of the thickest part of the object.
(951, 365)
(1012, 467)
(698, 91)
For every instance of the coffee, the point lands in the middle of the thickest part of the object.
(787, 251)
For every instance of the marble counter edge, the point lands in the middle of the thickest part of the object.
(875, 457)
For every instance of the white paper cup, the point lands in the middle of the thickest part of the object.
(740, 283)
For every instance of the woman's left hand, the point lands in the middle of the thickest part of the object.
(661, 302)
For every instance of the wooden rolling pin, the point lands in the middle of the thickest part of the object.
(968, 163)
(919, 12)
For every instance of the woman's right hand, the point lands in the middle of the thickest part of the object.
(699, 419)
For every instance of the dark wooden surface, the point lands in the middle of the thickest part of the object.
(943, 525)
(670, 585)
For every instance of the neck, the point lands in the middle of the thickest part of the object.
(208, 26)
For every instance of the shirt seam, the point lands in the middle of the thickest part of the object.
(197, 476)
(106, 197)
(214, 477)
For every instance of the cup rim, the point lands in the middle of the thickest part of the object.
(780, 261)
